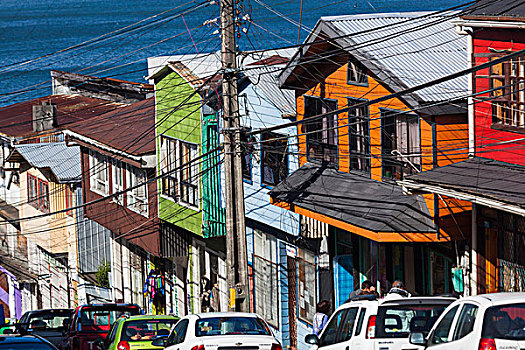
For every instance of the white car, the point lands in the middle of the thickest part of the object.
(483, 322)
(378, 324)
(221, 331)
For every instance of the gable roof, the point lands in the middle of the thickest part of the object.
(63, 161)
(403, 50)
(17, 120)
(503, 10)
(129, 129)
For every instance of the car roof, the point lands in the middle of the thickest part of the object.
(48, 311)
(151, 317)
(226, 314)
(17, 338)
(417, 300)
(497, 298)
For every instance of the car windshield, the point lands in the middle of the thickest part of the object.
(48, 321)
(398, 321)
(504, 322)
(100, 319)
(141, 330)
(230, 325)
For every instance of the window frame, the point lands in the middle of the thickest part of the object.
(116, 167)
(194, 176)
(270, 140)
(398, 162)
(175, 172)
(98, 163)
(332, 156)
(133, 197)
(169, 182)
(38, 193)
(503, 98)
(360, 70)
(363, 139)
(248, 143)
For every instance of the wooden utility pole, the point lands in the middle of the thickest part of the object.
(236, 254)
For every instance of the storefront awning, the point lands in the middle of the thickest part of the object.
(353, 202)
(478, 180)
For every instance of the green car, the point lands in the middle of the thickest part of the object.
(137, 332)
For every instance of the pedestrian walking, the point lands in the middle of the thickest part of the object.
(321, 316)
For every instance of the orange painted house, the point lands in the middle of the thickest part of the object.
(353, 155)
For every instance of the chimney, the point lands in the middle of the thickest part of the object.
(44, 116)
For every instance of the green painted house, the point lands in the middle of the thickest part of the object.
(187, 141)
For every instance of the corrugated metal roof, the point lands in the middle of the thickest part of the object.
(266, 79)
(62, 160)
(17, 119)
(129, 129)
(511, 9)
(408, 48)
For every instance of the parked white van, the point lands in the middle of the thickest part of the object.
(379, 324)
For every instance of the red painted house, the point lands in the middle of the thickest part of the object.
(118, 153)
(493, 178)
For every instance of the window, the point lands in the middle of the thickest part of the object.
(178, 334)
(38, 193)
(265, 277)
(138, 196)
(348, 324)
(508, 98)
(399, 321)
(69, 193)
(330, 333)
(144, 330)
(247, 144)
(32, 188)
(307, 284)
(356, 74)
(359, 133)
(274, 158)
(359, 325)
(168, 164)
(98, 173)
(400, 144)
(443, 328)
(118, 180)
(321, 134)
(180, 171)
(189, 174)
(212, 326)
(504, 322)
(466, 320)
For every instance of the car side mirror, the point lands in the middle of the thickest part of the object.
(311, 339)
(99, 343)
(417, 338)
(160, 342)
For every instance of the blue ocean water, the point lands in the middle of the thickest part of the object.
(30, 29)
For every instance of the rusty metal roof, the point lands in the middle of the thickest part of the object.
(129, 129)
(17, 120)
